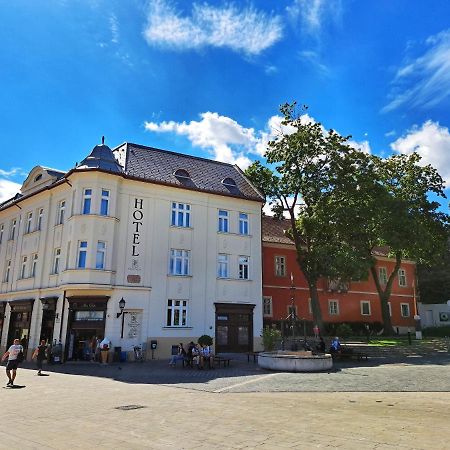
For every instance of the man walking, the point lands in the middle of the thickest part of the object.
(40, 354)
(13, 361)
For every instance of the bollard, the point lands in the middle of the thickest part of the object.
(409, 338)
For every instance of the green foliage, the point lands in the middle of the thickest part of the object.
(344, 330)
(436, 331)
(205, 340)
(270, 337)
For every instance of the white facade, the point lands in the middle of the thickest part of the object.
(125, 253)
(434, 315)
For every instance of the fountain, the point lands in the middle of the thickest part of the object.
(293, 360)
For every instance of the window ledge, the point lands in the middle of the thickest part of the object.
(31, 232)
(181, 227)
(85, 269)
(177, 328)
(234, 234)
(108, 217)
(178, 276)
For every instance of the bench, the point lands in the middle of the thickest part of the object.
(253, 354)
(221, 360)
(350, 354)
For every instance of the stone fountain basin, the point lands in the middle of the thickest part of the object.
(289, 361)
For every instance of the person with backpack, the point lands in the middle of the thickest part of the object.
(40, 354)
(15, 357)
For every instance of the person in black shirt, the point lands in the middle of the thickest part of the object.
(40, 354)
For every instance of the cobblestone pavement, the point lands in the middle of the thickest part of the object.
(356, 406)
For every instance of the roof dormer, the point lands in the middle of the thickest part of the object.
(40, 177)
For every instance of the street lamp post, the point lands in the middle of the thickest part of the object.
(293, 313)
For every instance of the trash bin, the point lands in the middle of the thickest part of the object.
(123, 356)
(117, 352)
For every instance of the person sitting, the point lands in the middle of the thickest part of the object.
(320, 347)
(196, 353)
(335, 346)
(207, 355)
(180, 356)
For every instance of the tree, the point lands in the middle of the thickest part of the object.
(309, 176)
(394, 214)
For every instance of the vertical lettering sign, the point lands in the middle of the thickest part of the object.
(136, 230)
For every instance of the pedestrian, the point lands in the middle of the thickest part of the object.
(316, 332)
(40, 354)
(15, 356)
(105, 345)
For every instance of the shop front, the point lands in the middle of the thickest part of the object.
(2, 317)
(86, 323)
(234, 327)
(20, 322)
(48, 319)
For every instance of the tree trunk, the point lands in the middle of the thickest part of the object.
(315, 306)
(385, 294)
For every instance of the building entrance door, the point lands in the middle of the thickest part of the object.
(234, 327)
(19, 322)
(48, 319)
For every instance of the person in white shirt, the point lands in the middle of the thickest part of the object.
(207, 355)
(105, 345)
(13, 361)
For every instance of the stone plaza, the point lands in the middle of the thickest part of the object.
(385, 403)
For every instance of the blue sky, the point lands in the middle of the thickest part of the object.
(207, 77)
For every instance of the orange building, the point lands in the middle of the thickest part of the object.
(355, 303)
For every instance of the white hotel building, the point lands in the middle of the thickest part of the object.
(177, 237)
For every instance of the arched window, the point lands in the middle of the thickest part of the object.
(182, 174)
(229, 182)
(37, 177)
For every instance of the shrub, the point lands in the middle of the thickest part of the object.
(270, 337)
(436, 331)
(344, 330)
(205, 340)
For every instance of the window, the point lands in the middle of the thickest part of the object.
(37, 177)
(390, 309)
(382, 275)
(176, 313)
(61, 212)
(7, 271)
(243, 267)
(181, 215)
(365, 308)
(280, 266)
(87, 199)
(404, 308)
(12, 231)
(402, 277)
(39, 220)
(179, 262)
(56, 259)
(223, 221)
(104, 205)
(100, 257)
(243, 223)
(333, 307)
(29, 222)
(23, 269)
(2, 229)
(222, 266)
(267, 306)
(34, 261)
(82, 252)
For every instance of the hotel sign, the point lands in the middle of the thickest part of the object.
(136, 229)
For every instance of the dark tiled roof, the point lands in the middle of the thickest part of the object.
(159, 166)
(273, 230)
(102, 158)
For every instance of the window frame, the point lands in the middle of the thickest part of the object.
(7, 271)
(401, 274)
(330, 311)
(2, 230)
(225, 263)
(244, 224)
(383, 279)
(28, 227)
(243, 267)
(105, 201)
(23, 267)
(361, 305)
(184, 260)
(102, 252)
(401, 310)
(56, 260)
(40, 216)
(61, 212)
(277, 264)
(223, 224)
(171, 308)
(180, 209)
(267, 301)
(12, 231)
(34, 261)
(82, 249)
(86, 204)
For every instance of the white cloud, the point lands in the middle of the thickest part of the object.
(12, 172)
(313, 59)
(246, 30)
(114, 27)
(8, 189)
(432, 142)
(224, 137)
(313, 13)
(425, 80)
(364, 146)
(390, 133)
